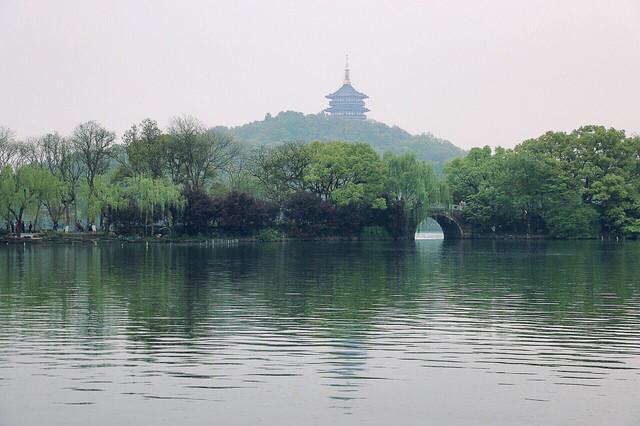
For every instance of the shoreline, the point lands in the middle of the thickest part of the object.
(88, 238)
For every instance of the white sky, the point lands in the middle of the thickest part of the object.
(475, 72)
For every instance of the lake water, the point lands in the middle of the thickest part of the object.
(431, 332)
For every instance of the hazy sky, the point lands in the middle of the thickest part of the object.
(475, 72)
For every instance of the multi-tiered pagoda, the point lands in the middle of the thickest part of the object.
(347, 102)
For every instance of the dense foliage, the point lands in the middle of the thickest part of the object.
(296, 126)
(190, 179)
(580, 184)
(194, 180)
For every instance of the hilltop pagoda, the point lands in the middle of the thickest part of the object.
(347, 102)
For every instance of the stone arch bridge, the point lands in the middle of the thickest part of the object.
(451, 222)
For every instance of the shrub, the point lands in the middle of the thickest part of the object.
(268, 235)
(242, 214)
(308, 215)
(199, 211)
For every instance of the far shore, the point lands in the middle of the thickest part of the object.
(95, 238)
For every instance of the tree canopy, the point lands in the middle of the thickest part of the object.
(578, 184)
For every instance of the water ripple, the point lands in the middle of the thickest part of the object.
(321, 324)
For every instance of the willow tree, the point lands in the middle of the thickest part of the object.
(152, 196)
(413, 185)
(52, 197)
(104, 195)
(24, 190)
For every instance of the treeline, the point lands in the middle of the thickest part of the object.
(188, 179)
(582, 184)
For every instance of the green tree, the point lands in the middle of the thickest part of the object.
(415, 186)
(527, 182)
(603, 165)
(146, 148)
(105, 195)
(474, 181)
(617, 200)
(23, 190)
(152, 196)
(346, 173)
(556, 184)
(466, 176)
(567, 216)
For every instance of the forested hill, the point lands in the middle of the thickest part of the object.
(295, 126)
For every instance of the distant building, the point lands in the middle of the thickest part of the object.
(347, 102)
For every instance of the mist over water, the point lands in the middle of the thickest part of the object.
(505, 332)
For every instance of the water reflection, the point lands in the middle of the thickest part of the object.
(342, 328)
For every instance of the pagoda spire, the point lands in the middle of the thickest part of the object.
(347, 79)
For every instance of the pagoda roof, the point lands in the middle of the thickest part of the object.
(347, 90)
(341, 108)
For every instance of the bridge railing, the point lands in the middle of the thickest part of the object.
(450, 208)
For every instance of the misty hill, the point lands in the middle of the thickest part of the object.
(295, 126)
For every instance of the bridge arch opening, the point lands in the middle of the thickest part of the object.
(451, 230)
(429, 229)
(450, 222)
